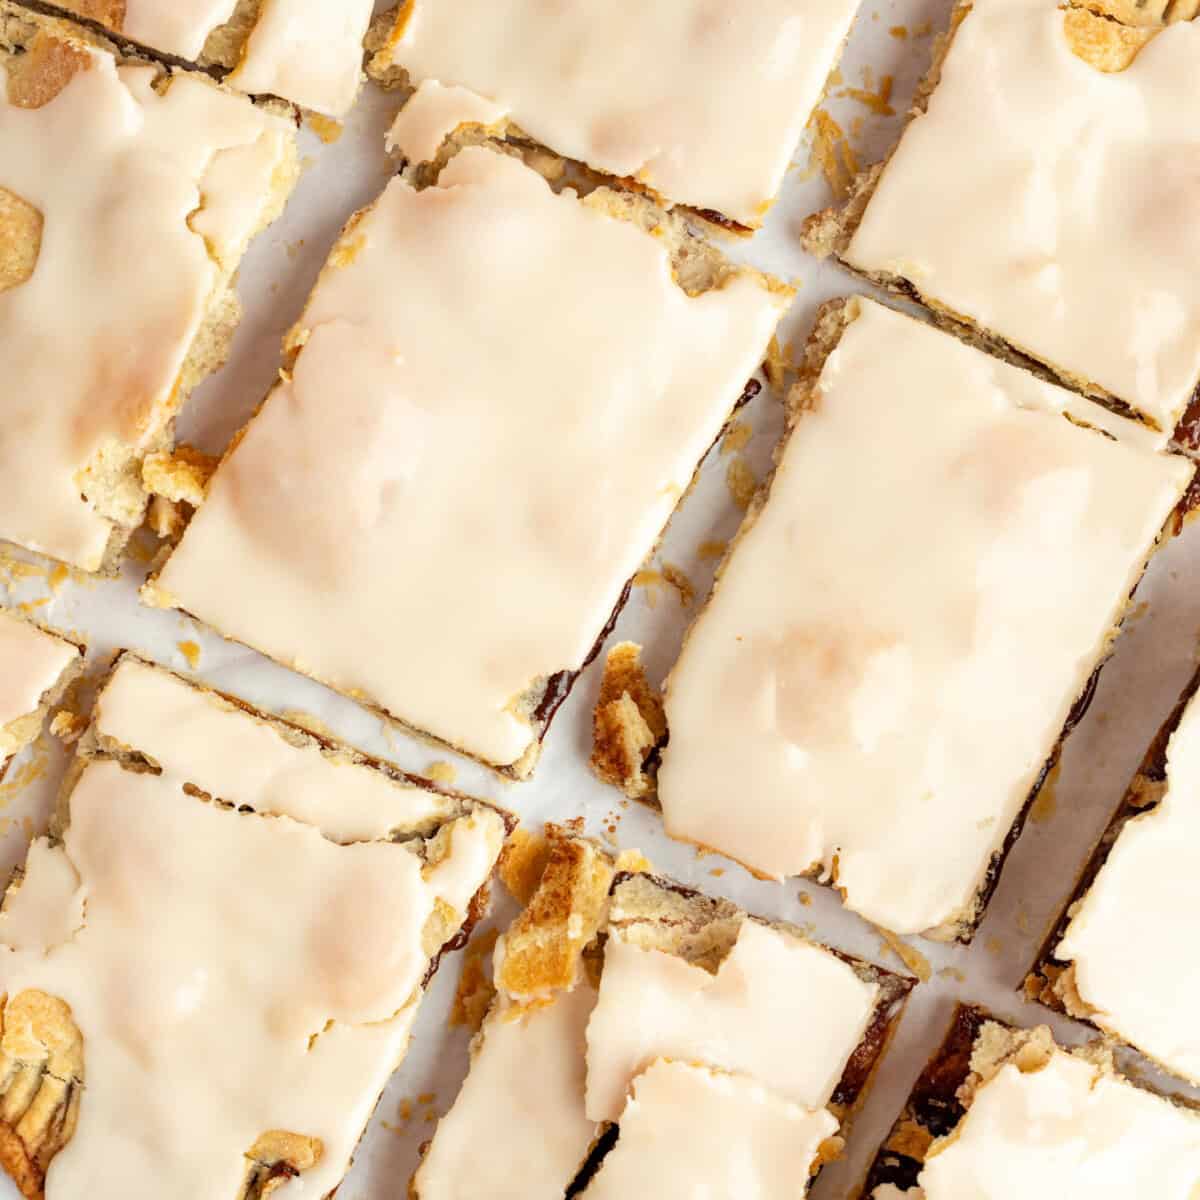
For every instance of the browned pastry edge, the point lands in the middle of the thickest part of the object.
(828, 232)
(1049, 979)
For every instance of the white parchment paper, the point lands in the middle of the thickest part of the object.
(1138, 687)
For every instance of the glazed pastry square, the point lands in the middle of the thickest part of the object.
(35, 667)
(1071, 232)
(495, 398)
(1005, 1114)
(897, 638)
(1139, 889)
(305, 51)
(212, 967)
(650, 1008)
(700, 101)
(127, 198)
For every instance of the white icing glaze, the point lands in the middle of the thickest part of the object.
(177, 26)
(115, 168)
(784, 1011)
(178, 726)
(432, 114)
(1142, 904)
(895, 644)
(518, 1121)
(308, 51)
(703, 100)
(196, 1041)
(1073, 228)
(31, 663)
(1065, 1130)
(343, 540)
(693, 1134)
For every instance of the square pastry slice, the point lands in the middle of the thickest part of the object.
(644, 1009)
(307, 51)
(127, 198)
(1005, 1114)
(913, 606)
(495, 398)
(700, 101)
(1140, 890)
(212, 966)
(35, 668)
(1071, 231)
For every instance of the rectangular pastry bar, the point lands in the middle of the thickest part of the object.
(1071, 232)
(128, 195)
(493, 402)
(211, 967)
(1140, 889)
(702, 102)
(1005, 1114)
(307, 51)
(912, 609)
(647, 1007)
(35, 668)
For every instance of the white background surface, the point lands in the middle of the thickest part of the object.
(1138, 687)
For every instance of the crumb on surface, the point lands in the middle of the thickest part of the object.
(709, 551)
(327, 129)
(678, 579)
(441, 772)
(191, 653)
(633, 862)
(911, 957)
(739, 433)
(628, 722)
(475, 991)
(68, 726)
(741, 481)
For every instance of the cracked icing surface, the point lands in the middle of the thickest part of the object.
(354, 549)
(703, 100)
(179, 177)
(897, 639)
(153, 919)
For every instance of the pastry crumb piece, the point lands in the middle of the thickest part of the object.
(67, 726)
(475, 988)
(179, 475)
(912, 958)
(739, 432)
(522, 863)
(677, 578)
(442, 772)
(633, 862)
(711, 550)
(191, 652)
(628, 723)
(327, 129)
(741, 481)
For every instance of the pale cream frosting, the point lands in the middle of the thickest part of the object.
(177, 26)
(894, 646)
(1068, 1129)
(1072, 229)
(784, 1011)
(694, 1134)
(432, 114)
(177, 726)
(196, 1042)
(308, 51)
(342, 539)
(1128, 935)
(703, 100)
(118, 171)
(519, 1120)
(31, 663)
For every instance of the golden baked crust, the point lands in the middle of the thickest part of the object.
(628, 724)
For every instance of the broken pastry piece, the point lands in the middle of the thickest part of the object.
(628, 724)
(913, 607)
(215, 960)
(517, 422)
(1071, 233)
(305, 51)
(128, 195)
(1139, 889)
(612, 1007)
(36, 667)
(698, 102)
(1005, 1114)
